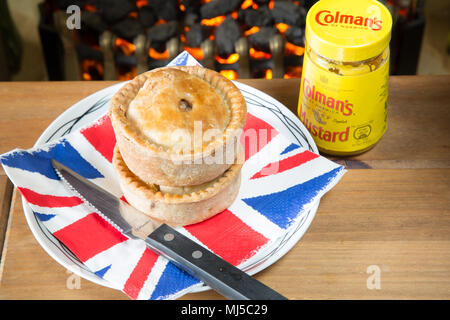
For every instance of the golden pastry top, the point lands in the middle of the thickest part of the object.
(173, 108)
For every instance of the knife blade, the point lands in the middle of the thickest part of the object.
(195, 259)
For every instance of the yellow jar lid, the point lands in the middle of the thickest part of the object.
(348, 30)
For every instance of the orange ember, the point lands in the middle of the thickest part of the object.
(127, 47)
(232, 58)
(90, 7)
(230, 74)
(89, 67)
(213, 22)
(282, 27)
(250, 31)
(271, 4)
(127, 75)
(246, 4)
(197, 53)
(160, 21)
(255, 54)
(292, 49)
(293, 72)
(141, 3)
(268, 74)
(158, 55)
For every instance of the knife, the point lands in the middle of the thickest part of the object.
(195, 259)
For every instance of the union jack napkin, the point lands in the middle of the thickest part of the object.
(270, 203)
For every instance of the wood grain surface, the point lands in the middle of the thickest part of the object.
(390, 213)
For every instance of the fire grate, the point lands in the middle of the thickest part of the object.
(119, 39)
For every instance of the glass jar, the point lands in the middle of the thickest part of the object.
(344, 86)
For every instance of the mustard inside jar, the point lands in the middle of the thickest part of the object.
(344, 85)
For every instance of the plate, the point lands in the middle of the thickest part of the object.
(94, 106)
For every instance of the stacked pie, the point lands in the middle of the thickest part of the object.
(178, 154)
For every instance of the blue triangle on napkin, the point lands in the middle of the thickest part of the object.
(282, 207)
(39, 161)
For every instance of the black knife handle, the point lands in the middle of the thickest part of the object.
(220, 275)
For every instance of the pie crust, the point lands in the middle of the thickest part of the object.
(175, 209)
(158, 162)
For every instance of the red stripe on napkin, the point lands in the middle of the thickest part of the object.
(49, 201)
(285, 164)
(101, 136)
(89, 236)
(228, 237)
(256, 135)
(140, 274)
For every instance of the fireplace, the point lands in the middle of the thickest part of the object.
(119, 39)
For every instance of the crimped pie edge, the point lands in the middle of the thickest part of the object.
(151, 193)
(121, 100)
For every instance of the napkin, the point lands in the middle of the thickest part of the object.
(281, 182)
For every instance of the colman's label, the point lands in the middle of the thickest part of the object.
(344, 85)
(343, 113)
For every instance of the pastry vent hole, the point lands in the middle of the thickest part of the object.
(184, 105)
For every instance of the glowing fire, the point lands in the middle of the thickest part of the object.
(90, 67)
(230, 74)
(90, 7)
(158, 55)
(249, 3)
(160, 21)
(271, 4)
(141, 3)
(293, 72)
(127, 75)
(292, 49)
(127, 47)
(268, 74)
(213, 22)
(250, 31)
(255, 54)
(282, 27)
(197, 53)
(232, 58)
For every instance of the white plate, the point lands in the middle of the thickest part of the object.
(92, 107)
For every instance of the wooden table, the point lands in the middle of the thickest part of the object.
(389, 216)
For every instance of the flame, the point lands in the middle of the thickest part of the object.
(158, 55)
(127, 47)
(271, 4)
(127, 75)
(232, 58)
(197, 53)
(90, 7)
(89, 66)
(282, 27)
(230, 74)
(133, 14)
(182, 7)
(292, 49)
(213, 21)
(259, 54)
(141, 3)
(86, 76)
(293, 72)
(234, 14)
(268, 74)
(250, 31)
(246, 4)
(160, 21)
